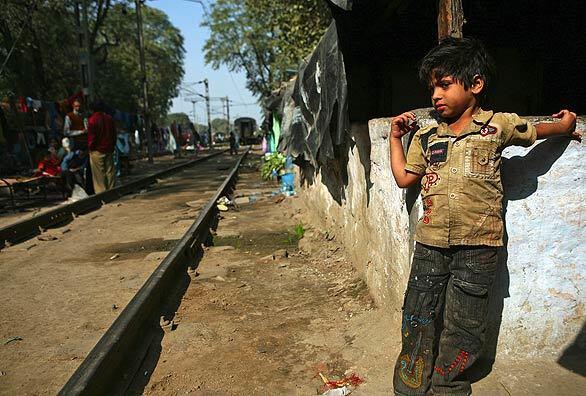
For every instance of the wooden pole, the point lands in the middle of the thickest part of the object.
(228, 114)
(450, 19)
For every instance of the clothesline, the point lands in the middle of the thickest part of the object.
(27, 104)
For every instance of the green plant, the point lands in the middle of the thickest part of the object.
(273, 162)
(299, 231)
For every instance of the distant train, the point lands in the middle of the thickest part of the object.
(245, 128)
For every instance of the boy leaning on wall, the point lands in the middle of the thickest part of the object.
(457, 162)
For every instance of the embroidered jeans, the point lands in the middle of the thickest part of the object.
(444, 318)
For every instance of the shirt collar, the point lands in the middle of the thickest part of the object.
(480, 118)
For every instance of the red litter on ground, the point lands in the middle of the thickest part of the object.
(350, 380)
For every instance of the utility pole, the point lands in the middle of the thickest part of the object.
(85, 59)
(207, 98)
(228, 114)
(193, 102)
(145, 91)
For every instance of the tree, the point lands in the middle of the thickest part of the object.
(44, 62)
(220, 125)
(100, 39)
(201, 128)
(264, 38)
(37, 48)
(118, 79)
(179, 118)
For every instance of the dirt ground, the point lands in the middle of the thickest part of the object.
(257, 323)
(253, 322)
(139, 168)
(60, 295)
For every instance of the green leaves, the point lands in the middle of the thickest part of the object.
(180, 118)
(299, 231)
(119, 78)
(263, 38)
(272, 163)
(220, 125)
(44, 63)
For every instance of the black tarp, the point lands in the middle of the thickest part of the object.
(315, 111)
(316, 118)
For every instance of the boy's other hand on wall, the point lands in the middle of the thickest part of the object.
(567, 119)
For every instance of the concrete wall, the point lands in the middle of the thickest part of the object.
(542, 279)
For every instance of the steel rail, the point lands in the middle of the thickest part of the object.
(102, 370)
(23, 230)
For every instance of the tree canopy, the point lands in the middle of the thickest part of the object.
(220, 125)
(40, 37)
(266, 39)
(179, 118)
(120, 77)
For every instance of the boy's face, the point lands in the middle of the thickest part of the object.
(450, 98)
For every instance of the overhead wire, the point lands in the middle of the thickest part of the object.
(235, 86)
(189, 87)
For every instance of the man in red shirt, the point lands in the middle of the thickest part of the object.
(101, 141)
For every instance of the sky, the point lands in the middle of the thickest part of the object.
(187, 17)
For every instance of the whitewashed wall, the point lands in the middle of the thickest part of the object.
(543, 274)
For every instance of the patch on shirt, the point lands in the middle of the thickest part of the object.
(438, 152)
(488, 130)
(427, 209)
(430, 179)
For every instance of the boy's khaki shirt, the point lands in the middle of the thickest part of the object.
(461, 183)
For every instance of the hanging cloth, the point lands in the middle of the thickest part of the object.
(21, 105)
(37, 104)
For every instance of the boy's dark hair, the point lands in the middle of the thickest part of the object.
(461, 58)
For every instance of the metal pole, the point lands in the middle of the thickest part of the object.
(207, 98)
(228, 114)
(145, 90)
(194, 126)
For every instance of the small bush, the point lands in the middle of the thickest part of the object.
(273, 162)
(299, 231)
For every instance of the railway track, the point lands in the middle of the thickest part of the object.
(27, 228)
(64, 294)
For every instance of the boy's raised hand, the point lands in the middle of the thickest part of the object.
(400, 125)
(568, 122)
